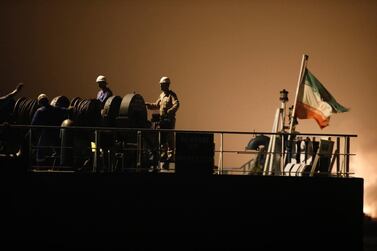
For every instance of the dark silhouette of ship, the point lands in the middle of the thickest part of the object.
(104, 185)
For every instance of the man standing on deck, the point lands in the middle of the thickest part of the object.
(168, 105)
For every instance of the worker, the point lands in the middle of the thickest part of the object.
(168, 104)
(48, 139)
(104, 91)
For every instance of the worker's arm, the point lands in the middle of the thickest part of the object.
(175, 105)
(155, 105)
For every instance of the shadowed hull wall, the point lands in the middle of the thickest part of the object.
(150, 211)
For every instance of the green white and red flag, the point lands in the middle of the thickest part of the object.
(314, 101)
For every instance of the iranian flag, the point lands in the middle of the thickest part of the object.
(314, 101)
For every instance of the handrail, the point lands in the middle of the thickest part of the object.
(340, 158)
(178, 130)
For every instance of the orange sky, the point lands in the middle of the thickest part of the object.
(227, 59)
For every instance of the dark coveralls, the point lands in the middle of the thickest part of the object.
(48, 138)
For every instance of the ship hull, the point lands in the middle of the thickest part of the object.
(145, 210)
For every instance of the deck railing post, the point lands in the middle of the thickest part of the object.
(347, 155)
(221, 157)
(96, 152)
(338, 157)
(138, 165)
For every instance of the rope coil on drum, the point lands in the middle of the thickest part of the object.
(111, 110)
(86, 112)
(13, 140)
(24, 110)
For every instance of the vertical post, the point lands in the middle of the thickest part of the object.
(159, 147)
(282, 154)
(283, 99)
(268, 156)
(271, 145)
(30, 150)
(347, 155)
(95, 161)
(174, 133)
(299, 81)
(138, 153)
(109, 164)
(221, 153)
(338, 159)
(273, 150)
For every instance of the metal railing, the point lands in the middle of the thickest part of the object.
(104, 149)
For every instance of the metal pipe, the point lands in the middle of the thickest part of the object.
(221, 153)
(347, 155)
(138, 165)
(95, 161)
(299, 81)
(338, 157)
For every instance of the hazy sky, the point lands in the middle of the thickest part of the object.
(227, 59)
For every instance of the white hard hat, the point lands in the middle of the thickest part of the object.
(165, 80)
(101, 78)
(42, 96)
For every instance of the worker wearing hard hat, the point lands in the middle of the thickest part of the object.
(104, 91)
(47, 138)
(168, 105)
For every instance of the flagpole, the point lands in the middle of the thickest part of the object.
(304, 62)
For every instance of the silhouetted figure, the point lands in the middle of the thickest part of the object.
(7, 103)
(168, 105)
(48, 138)
(104, 91)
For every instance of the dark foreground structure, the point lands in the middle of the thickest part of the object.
(164, 210)
(104, 184)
